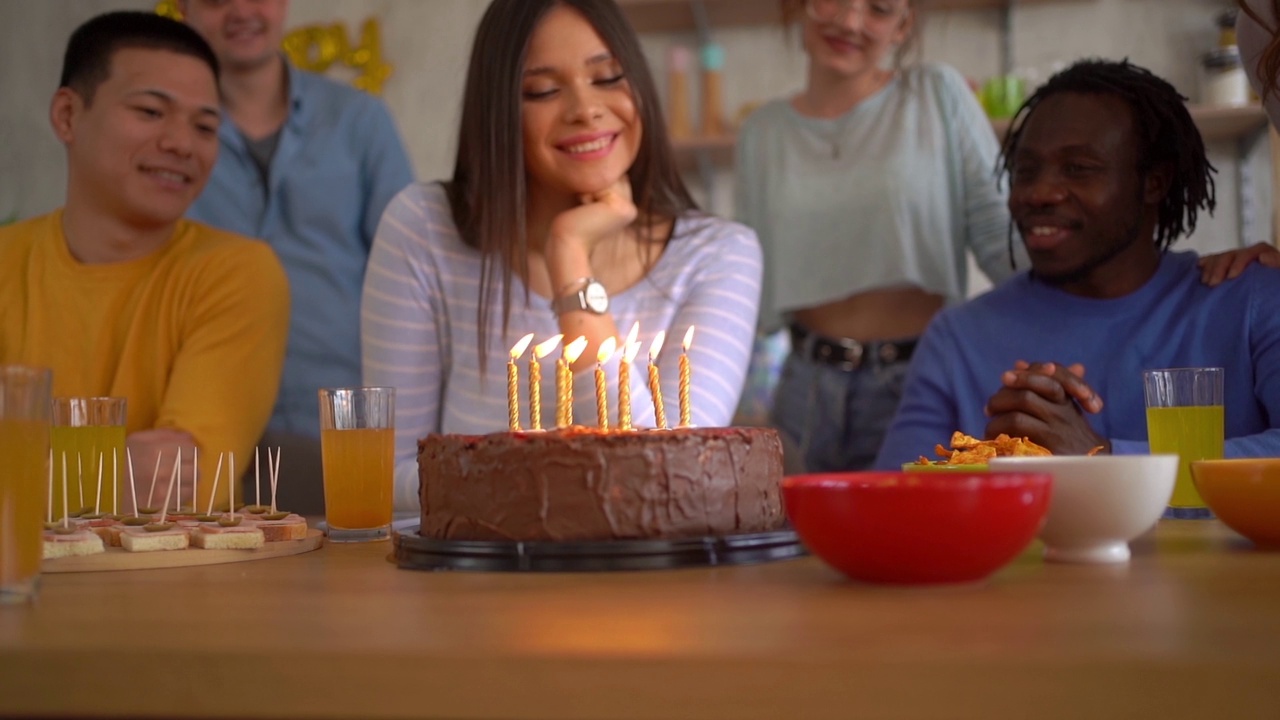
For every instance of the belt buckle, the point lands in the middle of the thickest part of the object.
(850, 353)
(889, 353)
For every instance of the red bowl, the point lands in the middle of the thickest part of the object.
(915, 528)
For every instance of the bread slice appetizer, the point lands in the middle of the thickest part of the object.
(154, 537)
(227, 534)
(281, 526)
(68, 544)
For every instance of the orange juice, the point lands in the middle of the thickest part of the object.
(84, 447)
(1193, 433)
(358, 477)
(24, 455)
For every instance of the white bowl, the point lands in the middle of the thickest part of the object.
(1099, 503)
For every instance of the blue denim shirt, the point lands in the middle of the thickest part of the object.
(338, 163)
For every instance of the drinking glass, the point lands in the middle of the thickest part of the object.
(1185, 417)
(357, 447)
(86, 431)
(24, 477)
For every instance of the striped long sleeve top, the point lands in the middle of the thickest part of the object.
(419, 332)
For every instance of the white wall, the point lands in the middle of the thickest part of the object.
(428, 41)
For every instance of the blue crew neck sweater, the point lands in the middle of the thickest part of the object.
(1171, 321)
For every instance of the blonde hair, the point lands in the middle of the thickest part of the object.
(793, 10)
(1268, 67)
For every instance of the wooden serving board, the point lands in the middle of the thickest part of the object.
(120, 559)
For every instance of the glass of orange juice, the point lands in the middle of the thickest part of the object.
(1185, 417)
(357, 447)
(24, 477)
(90, 432)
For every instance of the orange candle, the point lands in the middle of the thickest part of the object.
(513, 393)
(535, 393)
(572, 351)
(624, 385)
(540, 351)
(602, 394)
(686, 372)
(655, 385)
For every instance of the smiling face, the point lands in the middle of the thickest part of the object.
(579, 121)
(142, 150)
(244, 34)
(1086, 214)
(853, 40)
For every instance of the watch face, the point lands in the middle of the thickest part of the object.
(595, 298)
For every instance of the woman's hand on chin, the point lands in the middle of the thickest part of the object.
(599, 216)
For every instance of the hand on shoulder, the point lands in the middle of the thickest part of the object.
(1228, 265)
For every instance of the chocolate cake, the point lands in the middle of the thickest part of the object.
(583, 484)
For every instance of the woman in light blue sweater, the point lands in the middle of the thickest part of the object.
(565, 215)
(867, 188)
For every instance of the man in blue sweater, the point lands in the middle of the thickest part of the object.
(1107, 170)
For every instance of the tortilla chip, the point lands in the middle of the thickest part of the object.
(968, 450)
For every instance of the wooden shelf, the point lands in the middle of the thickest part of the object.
(719, 150)
(677, 15)
(1216, 123)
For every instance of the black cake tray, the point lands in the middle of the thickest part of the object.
(415, 552)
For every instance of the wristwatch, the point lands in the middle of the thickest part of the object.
(590, 296)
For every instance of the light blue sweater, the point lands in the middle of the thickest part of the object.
(338, 164)
(1172, 321)
(892, 193)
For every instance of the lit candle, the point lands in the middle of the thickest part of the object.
(624, 385)
(632, 335)
(655, 385)
(513, 393)
(602, 396)
(686, 412)
(572, 351)
(535, 379)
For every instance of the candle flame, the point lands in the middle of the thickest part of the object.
(544, 348)
(633, 349)
(633, 334)
(573, 350)
(607, 349)
(656, 347)
(518, 349)
(688, 339)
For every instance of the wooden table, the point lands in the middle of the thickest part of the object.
(1189, 628)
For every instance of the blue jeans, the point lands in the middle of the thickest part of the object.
(836, 418)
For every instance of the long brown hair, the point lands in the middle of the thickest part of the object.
(488, 191)
(1268, 68)
(793, 10)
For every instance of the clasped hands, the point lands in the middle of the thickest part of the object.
(1046, 402)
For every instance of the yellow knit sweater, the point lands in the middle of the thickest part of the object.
(192, 335)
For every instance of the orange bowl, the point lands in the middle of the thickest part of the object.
(917, 528)
(1245, 494)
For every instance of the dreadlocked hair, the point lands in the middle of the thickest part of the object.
(1166, 136)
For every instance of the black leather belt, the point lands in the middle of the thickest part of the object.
(847, 353)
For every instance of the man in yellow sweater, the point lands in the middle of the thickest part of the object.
(115, 291)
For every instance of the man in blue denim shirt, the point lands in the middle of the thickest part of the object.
(308, 165)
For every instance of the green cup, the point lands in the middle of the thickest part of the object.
(1002, 95)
